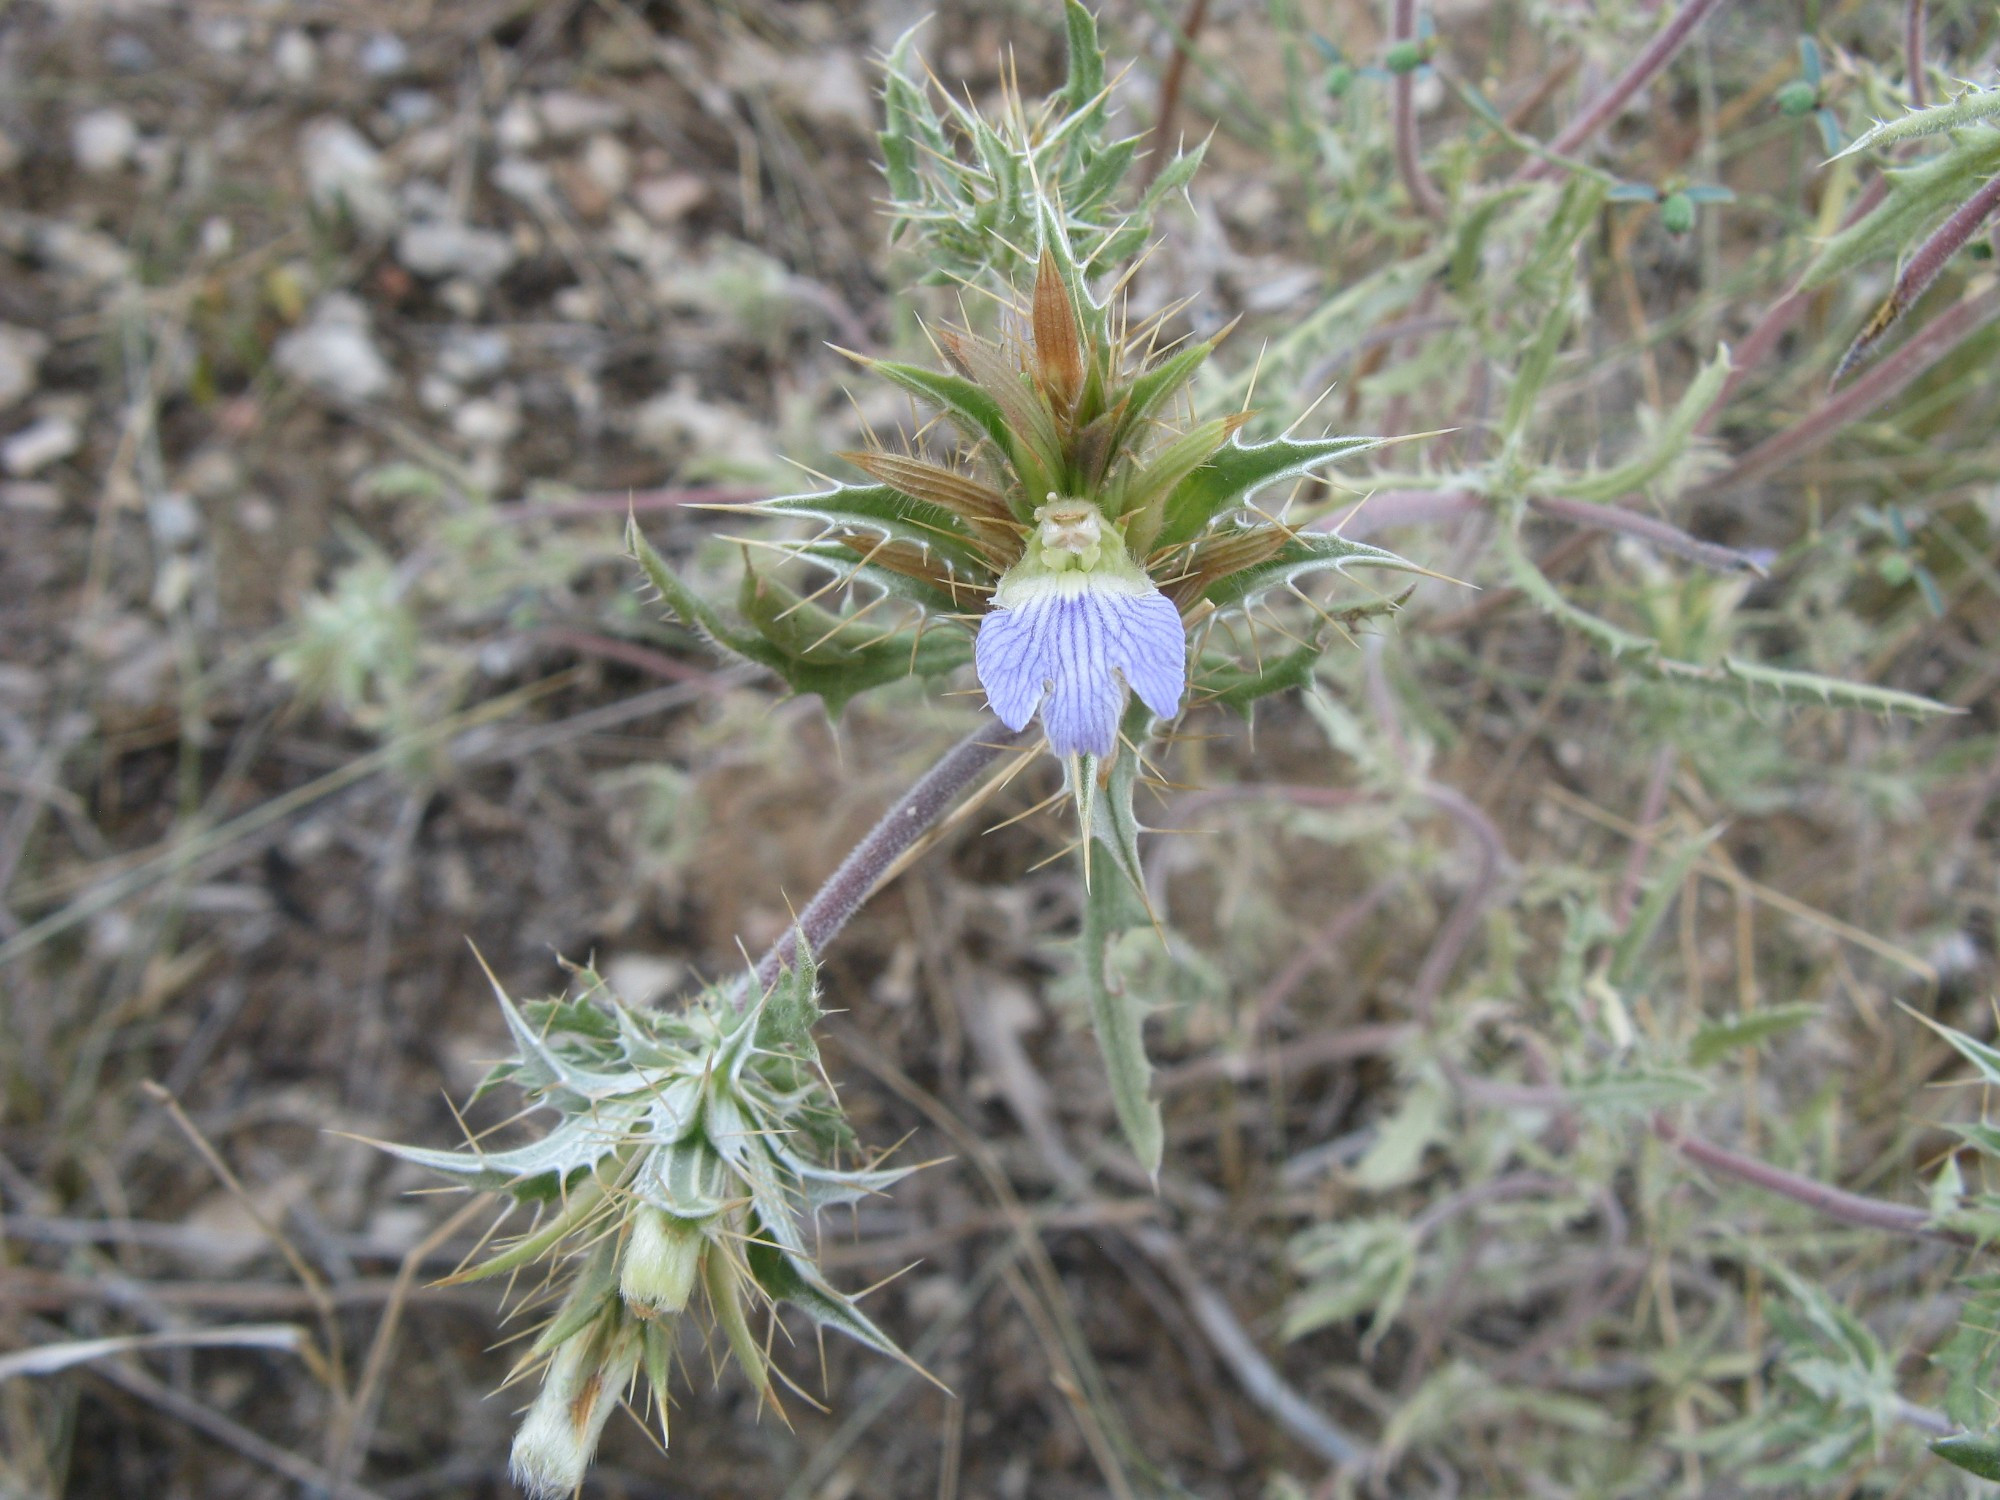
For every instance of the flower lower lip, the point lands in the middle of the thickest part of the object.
(1069, 645)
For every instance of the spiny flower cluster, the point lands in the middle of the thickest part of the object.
(1087, 523)
(693, 1152)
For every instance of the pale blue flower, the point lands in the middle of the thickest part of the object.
(1074, 625)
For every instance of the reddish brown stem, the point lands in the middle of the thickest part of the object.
(1409, 159)
(1938, 338)
(1925, 266)
(1835, 1203)
(1170, 90)
(901, 826)
(1913, 50)
(1601, 110)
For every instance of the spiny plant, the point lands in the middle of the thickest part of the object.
(692, 1153)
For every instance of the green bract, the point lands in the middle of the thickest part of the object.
(692, 1150)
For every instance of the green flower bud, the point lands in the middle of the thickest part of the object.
(656, 1275)
(1677, 213)
(1339, 79)
(585, 1379)
(1797, 98)
(1404, 57)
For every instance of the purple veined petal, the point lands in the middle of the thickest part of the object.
(1070, 645)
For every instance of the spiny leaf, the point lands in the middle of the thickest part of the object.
(890, 511)
(1238, 472)
(1302, 553)
(1669, 442)
(1918, 195)
(1970, 107)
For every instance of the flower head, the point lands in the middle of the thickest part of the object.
(1074, 624)
(1089, 523)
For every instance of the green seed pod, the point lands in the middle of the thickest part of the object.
(1339, 79)
(656, 1274)
(1404, 57)
(1677, 213)
(1797, 99)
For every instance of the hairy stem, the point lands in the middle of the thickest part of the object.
(1835, 1203)
(1938, 338)
(901, 826)
(1924, 267)
(1409, 162)
(1601, 110)
(1913, 50)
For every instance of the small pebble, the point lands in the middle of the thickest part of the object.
(35, 447)
(335, 353)
(567, 114)
(384, 55)
(445, 247)
(296, 58)
(21, 351)
(103, 141)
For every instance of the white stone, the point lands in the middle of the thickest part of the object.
(608, 164)
(21, 351)
(486, 422)
(344, 170)
(447, 247)
(471, 355)
(295, 57)
(567, 114)
(384, 55)
(334, 353)
(665, 200)
(103, 141)
(35, 447)
(518, 127)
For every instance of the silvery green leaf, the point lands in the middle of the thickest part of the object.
(1238, 471)
(794, 1279)
(826, 1187)
(581, 1140)
(687, 1180)
(1751, 1029)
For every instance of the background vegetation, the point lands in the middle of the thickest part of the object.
(1540, 1027)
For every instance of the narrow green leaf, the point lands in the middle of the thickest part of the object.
(1918, 195)
(1119, 1019)
(1659, 900)
(1986, 1059)
(1237, 687)
(1976, 1455)
(977, 414)
(1669, 442)
(1719, 1038)
(1085, 80)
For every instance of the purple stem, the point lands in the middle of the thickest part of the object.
(901, 826)
(1938, 338)
(1409, 161)
(1600, 111)
(1913, 50)
(1387, 509)
(1651, 808)
(1931, 258)
(1835, 1203)
(1781, 315)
